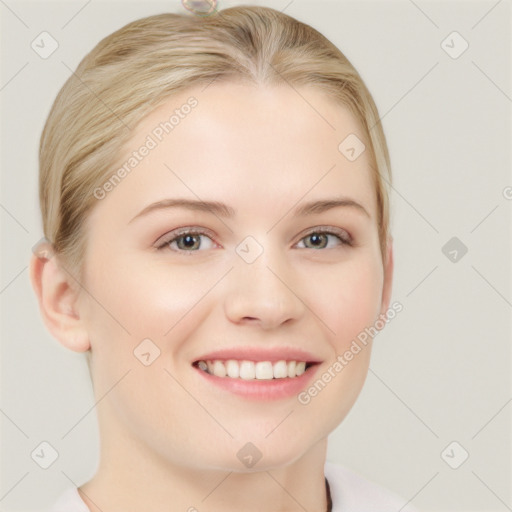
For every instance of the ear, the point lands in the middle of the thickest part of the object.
(57, 295)
(388, 277)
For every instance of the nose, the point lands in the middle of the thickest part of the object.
(263, 293)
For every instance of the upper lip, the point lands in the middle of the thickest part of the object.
(260, 354)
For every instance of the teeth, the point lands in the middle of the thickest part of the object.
(264, 370)
(300, 368)
(247, 370)
(219, 370)
(233, 369)
(250, 370)
(280, 370)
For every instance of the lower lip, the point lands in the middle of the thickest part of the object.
(271, 389)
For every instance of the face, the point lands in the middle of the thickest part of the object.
(267, 276)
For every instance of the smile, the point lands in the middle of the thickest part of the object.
(253, 370)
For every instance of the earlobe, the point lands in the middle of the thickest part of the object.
(58, 300)
(388, 277)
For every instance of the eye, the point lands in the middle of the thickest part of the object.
(320, 238)
(191, 240)
(185, 240)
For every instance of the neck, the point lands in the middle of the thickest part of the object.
(131, 477)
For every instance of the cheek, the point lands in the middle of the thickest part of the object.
(133, 301)
(350, 302)
(350, 299)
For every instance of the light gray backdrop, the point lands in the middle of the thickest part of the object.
(439, 386)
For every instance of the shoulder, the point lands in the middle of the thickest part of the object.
(68, 501)
(351, 492)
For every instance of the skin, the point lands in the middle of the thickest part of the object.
(168, 439)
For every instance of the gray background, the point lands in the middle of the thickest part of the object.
(440, 371)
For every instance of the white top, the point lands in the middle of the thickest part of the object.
(350, 492)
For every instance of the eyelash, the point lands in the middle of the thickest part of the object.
(344, 238)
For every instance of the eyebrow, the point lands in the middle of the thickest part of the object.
(223, 210)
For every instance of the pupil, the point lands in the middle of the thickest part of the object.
(189, 241)
(316, 239)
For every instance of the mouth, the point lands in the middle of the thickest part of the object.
(256, 373)
(254, 370)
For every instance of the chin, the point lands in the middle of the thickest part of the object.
(250, 454)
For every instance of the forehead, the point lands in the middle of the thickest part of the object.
(243, 143)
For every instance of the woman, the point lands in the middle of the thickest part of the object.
(214, 198)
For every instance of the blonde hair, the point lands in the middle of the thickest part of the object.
(135, 69)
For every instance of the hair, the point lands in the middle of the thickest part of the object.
(138, 67)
